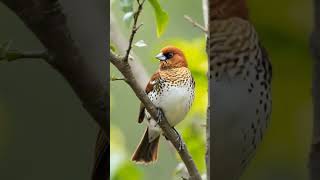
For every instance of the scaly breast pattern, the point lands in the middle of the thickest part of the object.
(174, 94)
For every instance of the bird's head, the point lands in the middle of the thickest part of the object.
(171, 57)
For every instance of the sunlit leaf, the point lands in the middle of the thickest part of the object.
(162, 17)
(140, 43)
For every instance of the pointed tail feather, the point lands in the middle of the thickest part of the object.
(146, 152)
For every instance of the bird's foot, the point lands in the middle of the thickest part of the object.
(160, 115)
(179, 139)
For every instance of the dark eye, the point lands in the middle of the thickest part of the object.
(169, 55)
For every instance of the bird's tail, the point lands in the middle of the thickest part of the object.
(146, 152)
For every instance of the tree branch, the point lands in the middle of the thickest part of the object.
(125, 69)
(87, 77)
(195, 24)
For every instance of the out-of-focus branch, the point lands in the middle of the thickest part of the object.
(205, 12)
(314, 156)
(125, 69)
(7, 54)
(87, 77)
(205, 7)
(16, 55)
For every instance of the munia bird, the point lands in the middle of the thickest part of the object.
(171, 89)
(240, 82)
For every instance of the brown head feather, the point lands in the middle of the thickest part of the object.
(178, 59)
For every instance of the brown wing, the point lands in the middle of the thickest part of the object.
(148, 89)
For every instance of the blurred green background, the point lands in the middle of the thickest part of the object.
(284, 28)
(45, 133)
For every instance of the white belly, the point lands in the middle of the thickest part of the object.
(236, 126)
(175, 102)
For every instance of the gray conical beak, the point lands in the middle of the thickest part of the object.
(161, 57)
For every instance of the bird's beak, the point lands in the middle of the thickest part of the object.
(161, 57)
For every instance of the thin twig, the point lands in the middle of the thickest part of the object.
(13, 55)
(195, 24)
(134, 28)
(125, 69)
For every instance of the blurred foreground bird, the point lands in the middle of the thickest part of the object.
(171, 89)
(240, 78)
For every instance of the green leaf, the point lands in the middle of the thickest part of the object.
(162, 17)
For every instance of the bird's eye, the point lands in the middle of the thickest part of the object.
(169, 55)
